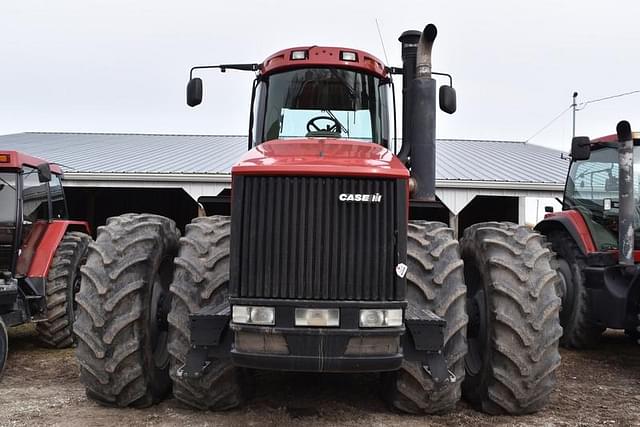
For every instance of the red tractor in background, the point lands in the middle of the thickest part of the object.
(594, 238)
(41, 251)
(318, 268)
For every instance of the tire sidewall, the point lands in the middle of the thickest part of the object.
(4, 345)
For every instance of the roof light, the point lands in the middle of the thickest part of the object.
(348, 56)
(5, 158)
(297, 55)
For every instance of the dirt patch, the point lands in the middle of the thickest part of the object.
(41, 387)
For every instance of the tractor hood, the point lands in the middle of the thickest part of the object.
(332, 157)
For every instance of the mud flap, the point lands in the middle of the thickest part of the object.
(424, 342)
(210, 338)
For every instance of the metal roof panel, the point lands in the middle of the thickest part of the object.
(465, 160)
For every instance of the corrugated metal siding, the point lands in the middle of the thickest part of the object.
(468, 160)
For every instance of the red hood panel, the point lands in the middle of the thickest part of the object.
(320, 157)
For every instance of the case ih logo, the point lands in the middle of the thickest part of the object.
(366, 198)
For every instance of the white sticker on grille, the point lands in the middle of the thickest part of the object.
(401, 270)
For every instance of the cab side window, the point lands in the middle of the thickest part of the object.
(34, 195)
(57, 198)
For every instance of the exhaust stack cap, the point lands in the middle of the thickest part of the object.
(425, 44)
(623, 129)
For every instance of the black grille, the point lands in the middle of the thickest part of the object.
(293, 238)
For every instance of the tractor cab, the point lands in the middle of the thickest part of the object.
(594, 238)
(592, 190)
(296, 96)
(31, 195)
(320, 92)
(41, 251)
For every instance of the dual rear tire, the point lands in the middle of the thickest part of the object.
(507, 363)
(132, 324)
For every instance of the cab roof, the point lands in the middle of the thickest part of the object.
(15, 160)
(614, 138)
(323, 56)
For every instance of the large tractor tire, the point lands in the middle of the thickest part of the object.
(434, 282)
(200, 279)
(122, 309)
(514, 325)
(4, 345)
(63, 282)
(576, 317)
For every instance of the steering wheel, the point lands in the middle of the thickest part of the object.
(312, 127)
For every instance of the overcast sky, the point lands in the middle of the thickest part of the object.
(122, 66)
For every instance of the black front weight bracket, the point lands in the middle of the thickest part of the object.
(424, 342)
(210, 338)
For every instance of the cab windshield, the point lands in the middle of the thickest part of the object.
(323, 103)
(8, 197)
(592, 189)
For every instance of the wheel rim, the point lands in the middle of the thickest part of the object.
(477, 328)
(568, 291)
(74, 289)
(159, 310)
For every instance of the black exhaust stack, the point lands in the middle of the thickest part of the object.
(409, 40)
(420, 130)
(626, 208)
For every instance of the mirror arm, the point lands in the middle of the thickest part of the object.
(398, 70)
(445, 74)
(224, 67)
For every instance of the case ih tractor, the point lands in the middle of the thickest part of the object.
(594, 238)
(40, 251)
(318, 268)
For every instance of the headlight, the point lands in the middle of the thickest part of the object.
(317, 317)
(254, 315)
(380, 318)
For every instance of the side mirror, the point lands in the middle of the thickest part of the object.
(194, 92)
(44, 172)
(580, 148)
(447, 98)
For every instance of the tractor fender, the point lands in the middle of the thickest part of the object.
(571, 222)
(48, 243)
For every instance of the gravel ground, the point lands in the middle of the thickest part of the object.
(41, 387)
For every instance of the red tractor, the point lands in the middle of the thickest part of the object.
(318, 268)
(40, 251)
(594, 238)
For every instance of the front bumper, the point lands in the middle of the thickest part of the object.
(285, 347)
(316, 349)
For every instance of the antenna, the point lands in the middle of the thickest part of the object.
(573, 107)
(386, 58)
